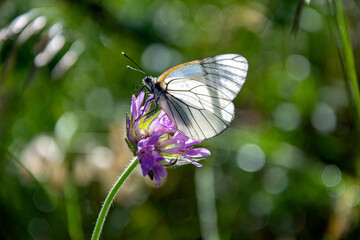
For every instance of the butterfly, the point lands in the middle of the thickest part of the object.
(197, 96)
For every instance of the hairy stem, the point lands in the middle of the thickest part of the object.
(110, 197)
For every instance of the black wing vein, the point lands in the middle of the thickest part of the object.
(204, 109)
(170, 101)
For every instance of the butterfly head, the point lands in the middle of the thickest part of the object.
(149, 83)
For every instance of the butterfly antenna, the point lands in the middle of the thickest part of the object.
(138, 70)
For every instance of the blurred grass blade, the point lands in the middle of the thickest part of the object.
(297, 16)
(347, 56)
(73, 211)
(205, 195)
(10, 156)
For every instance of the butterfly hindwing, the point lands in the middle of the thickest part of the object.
(196, 123)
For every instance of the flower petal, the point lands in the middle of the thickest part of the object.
(196, 152)
(153, 139)
(162, 123)
(158, 173)
(129, 132)
(146, 160)
(136, 105)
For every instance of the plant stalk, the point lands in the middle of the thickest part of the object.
(347, 57)
(110, 197)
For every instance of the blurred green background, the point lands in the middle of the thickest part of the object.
(287, 168)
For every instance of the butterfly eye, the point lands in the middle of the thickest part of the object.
(147, 80)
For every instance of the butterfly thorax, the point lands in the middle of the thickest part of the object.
(153, 86)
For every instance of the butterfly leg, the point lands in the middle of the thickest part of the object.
(146, 106)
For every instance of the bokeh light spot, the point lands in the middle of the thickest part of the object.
(311, 20)
(331, 176)
(338, 190)
(261, 204)
(99, 102)
(66, 127)
(288, 156)
(250, 158)
(42, 201)
(298, 67)
(20, 22)
(323, 118)
(275, 180)
(119, 218)
(158, 58)
(208, 18)
(170, 21)
(34, 27)
(287, 116)
(39, 228)
(352, 195)
(51, 49)
(327, 93)
(69, 59)
(101, 157)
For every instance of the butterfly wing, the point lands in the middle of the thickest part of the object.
(199, 94)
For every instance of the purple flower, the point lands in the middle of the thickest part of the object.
(156, 141)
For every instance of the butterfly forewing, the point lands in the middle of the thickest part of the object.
(199, 94)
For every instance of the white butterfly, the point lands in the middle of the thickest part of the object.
(197, 96)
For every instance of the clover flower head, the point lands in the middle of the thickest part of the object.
(156, 141)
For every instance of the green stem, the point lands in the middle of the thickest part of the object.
(110, 197)
(348, 56)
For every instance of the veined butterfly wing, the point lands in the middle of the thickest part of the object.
(198, 94)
